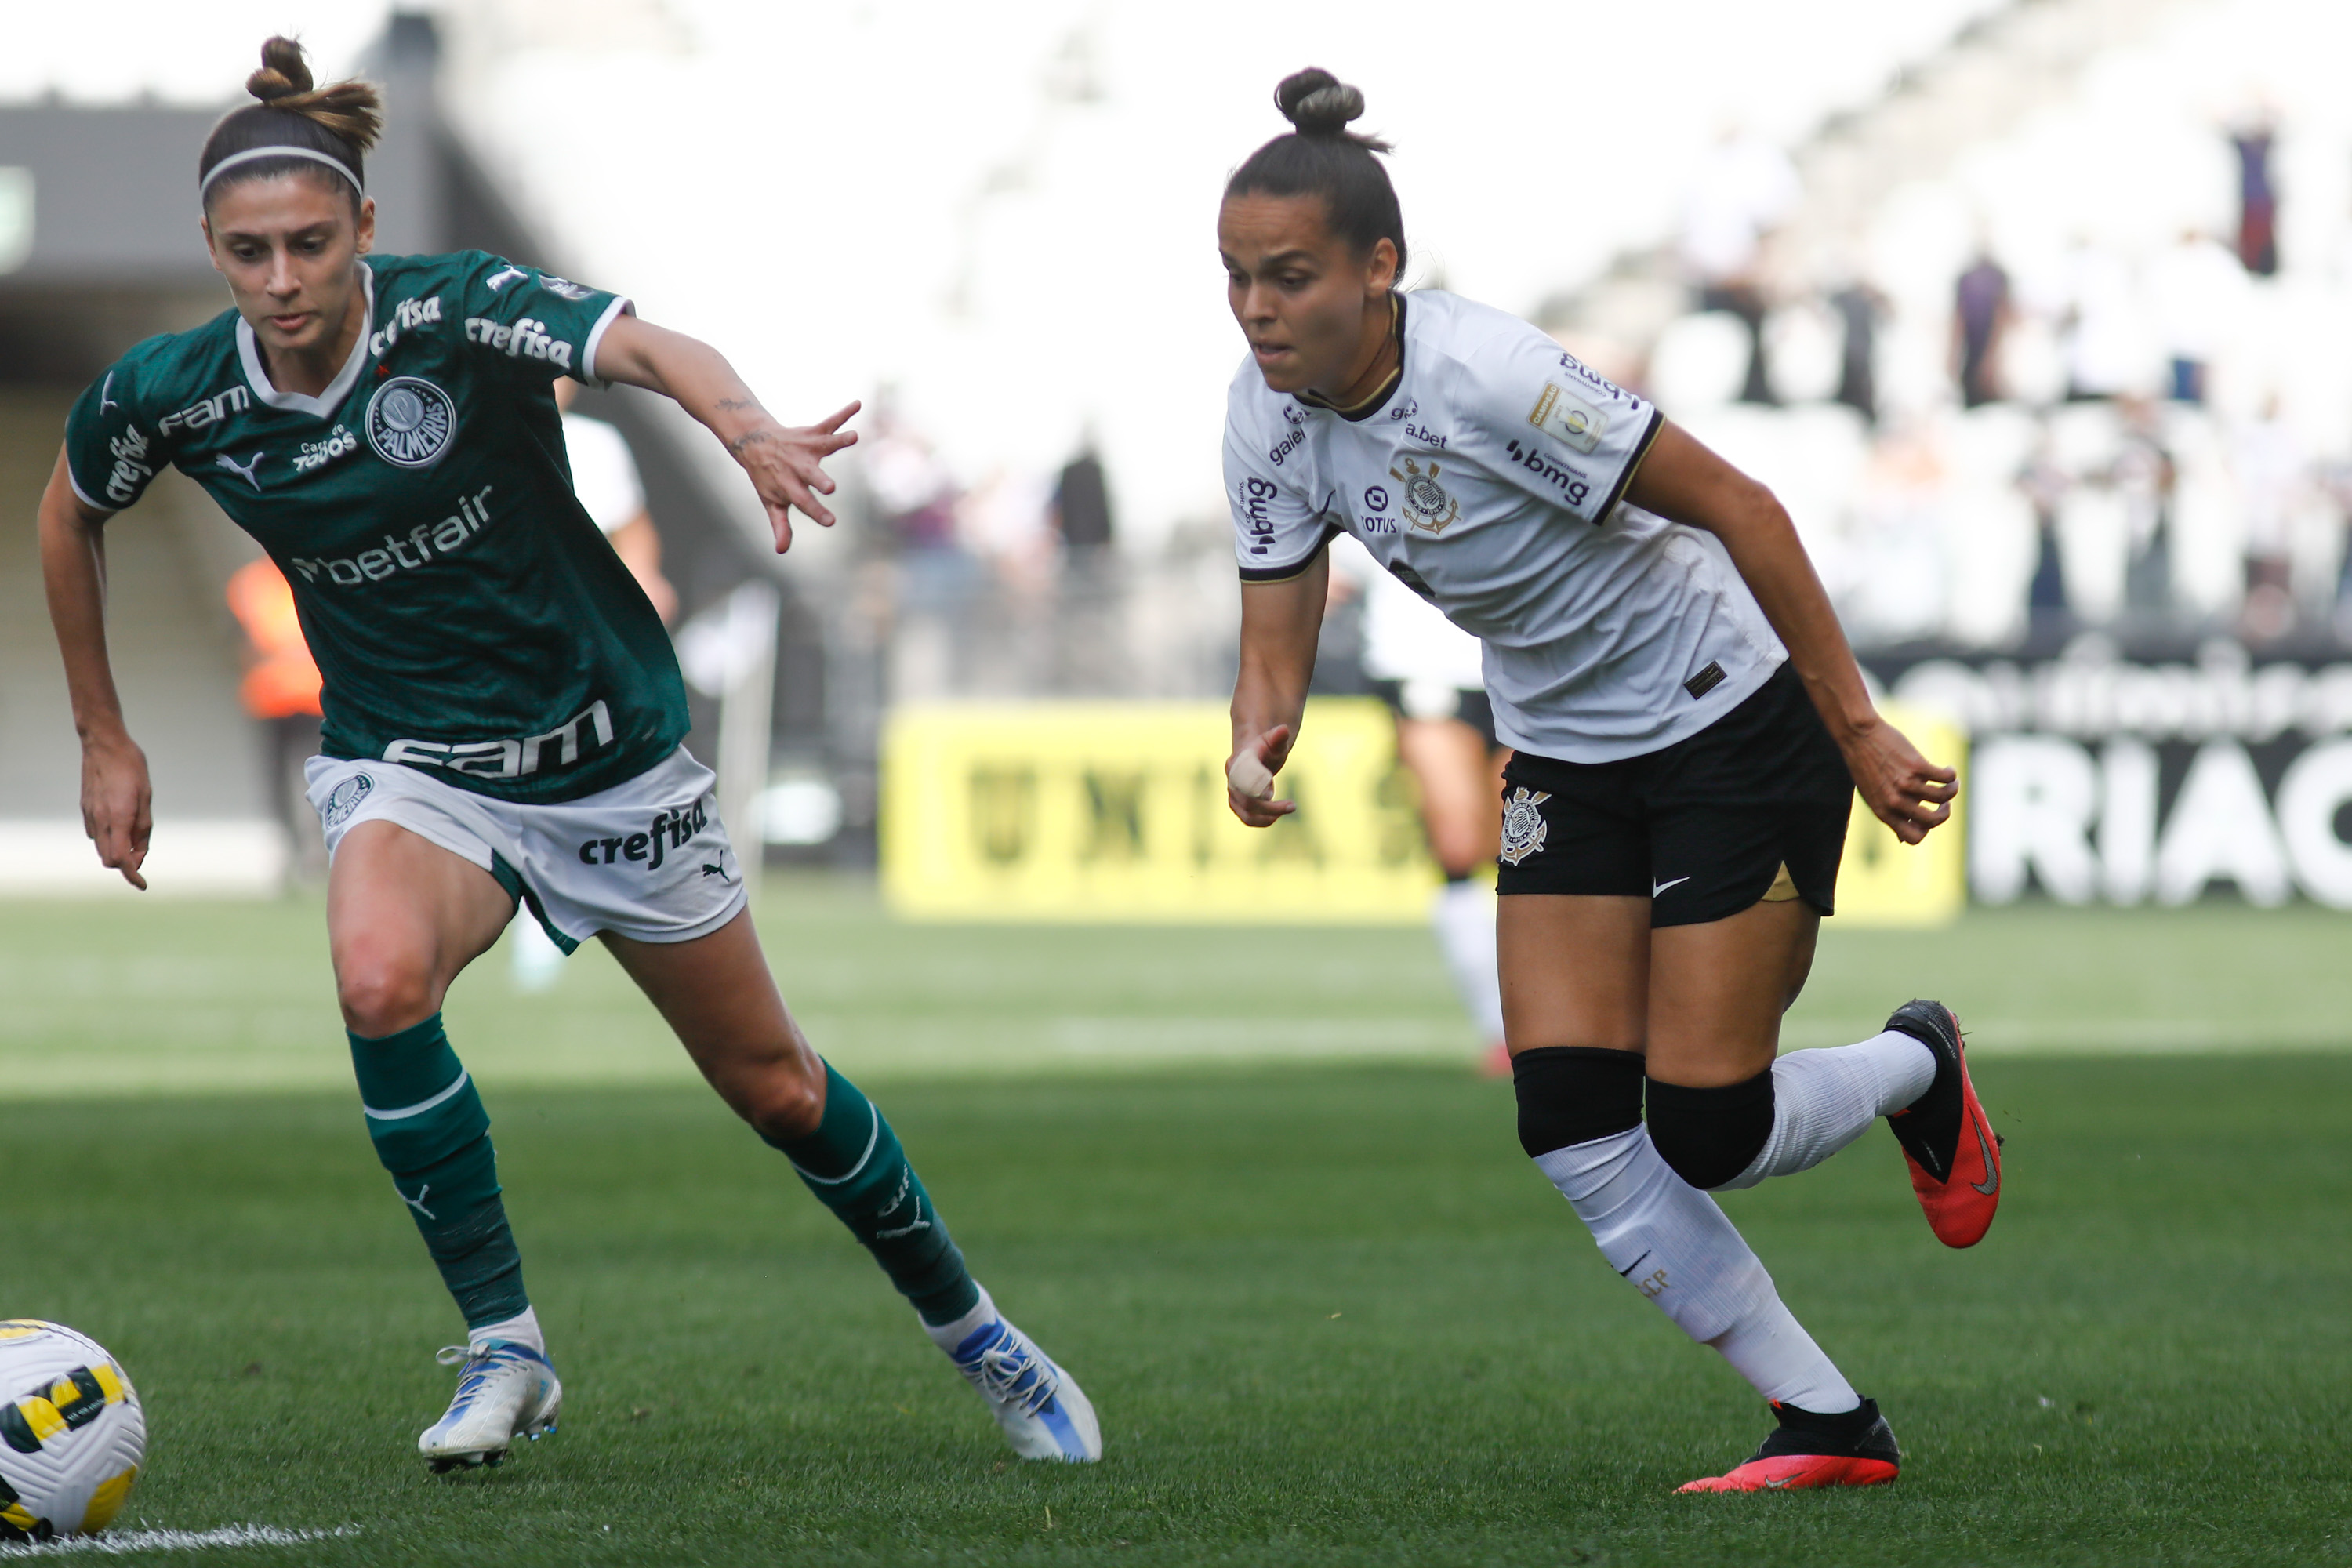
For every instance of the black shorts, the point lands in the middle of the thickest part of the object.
(1700, 828)
(1470, 706)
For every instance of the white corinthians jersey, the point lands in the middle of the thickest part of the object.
(1492, 483)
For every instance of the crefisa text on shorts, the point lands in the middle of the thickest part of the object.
(669, 830)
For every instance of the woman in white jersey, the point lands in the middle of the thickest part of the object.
(1427, 671)
(1688, 728)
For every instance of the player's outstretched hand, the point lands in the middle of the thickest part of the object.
(1902, 788)
(115, 801)
(787, 468)
(1249, 778)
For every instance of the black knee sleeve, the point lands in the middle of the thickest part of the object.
(1573, 1094)
(1709, 1135)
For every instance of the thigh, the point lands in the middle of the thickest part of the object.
(716, 994)
(1717, 992)
(1459, 803)
(1575, 971)
(404, 916)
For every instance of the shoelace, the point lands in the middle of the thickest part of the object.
(1010, 1372)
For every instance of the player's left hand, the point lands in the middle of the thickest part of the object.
(1249, 777)
(1902, 788)
(786, 466)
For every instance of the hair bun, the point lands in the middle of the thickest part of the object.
(283, 74)
(1317, 103)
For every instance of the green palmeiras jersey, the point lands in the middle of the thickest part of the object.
(467, 616)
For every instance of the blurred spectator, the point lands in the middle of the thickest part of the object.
(2194, 291)
(605, 478)
(2107, 348)
(1859, 309)
(280, 689)
(1087, 623)
(1743, 188)
(2272, 473)
(936, 580)
(2257, 197)
(2144, 475)
(2045, 483)
(1981, 311)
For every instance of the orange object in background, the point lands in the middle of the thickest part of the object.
(282, 680)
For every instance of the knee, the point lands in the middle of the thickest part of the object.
(782, 1100)
(383, 993)
(1708, 1136)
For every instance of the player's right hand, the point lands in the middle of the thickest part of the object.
(1249, 777)
(115, 804)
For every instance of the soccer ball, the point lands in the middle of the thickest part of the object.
(71, 1432)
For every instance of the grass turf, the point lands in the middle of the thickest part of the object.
(1329, 1315)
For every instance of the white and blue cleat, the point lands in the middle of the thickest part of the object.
(1044, 1413)
(506, 1391)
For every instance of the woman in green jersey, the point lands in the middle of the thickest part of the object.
(503, 712)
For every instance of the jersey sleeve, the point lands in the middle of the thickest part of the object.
(1564, 434)
(112, 448)
(1276, 532)
(542, 326)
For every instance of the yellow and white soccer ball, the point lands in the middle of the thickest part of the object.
(71, 1432)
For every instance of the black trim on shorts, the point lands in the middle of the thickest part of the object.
(1701, 827)
(1473, 706)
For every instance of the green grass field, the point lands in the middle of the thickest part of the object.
(1329, 1313)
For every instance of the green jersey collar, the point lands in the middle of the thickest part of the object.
(326, 402)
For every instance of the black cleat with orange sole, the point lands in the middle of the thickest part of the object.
(1954, 1154)
(1855, 1449)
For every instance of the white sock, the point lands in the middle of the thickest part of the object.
(523, 1331)
(1823, 1100)
(1678, 1249)
(1464, 914)
(947, 1336)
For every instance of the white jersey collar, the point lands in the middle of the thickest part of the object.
(326, 402)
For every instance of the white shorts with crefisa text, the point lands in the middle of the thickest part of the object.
(646, 859)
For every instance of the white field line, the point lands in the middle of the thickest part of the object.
(124, 1542)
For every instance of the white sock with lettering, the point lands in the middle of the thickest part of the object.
(1680, 1250)
(522, 1330)
(1823, 1100)
(1464, 914)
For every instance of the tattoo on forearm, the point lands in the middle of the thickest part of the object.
(728, 405)
(748, 439)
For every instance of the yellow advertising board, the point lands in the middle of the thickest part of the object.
(1092, 812)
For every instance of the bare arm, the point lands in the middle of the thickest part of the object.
(1280, 622)
(786, 466)
(115, 797)
(1684, 481)
(638, 545)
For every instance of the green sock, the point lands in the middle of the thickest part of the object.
(432, 1133)
(855, 1166)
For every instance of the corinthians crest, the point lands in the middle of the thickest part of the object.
(1425, 499)
(409, 421)
(1523, 827)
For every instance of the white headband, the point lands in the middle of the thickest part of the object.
(247, 156)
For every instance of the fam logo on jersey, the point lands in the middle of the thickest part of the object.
(209, 411)
(1425, 498)
(1568, 418)
(409, 421)
(344, 799)
(1523, 827)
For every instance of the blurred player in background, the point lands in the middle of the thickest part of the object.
(1429, 672)
(1688, 728)
(503, 711)
(605, 478)
(280, 691)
